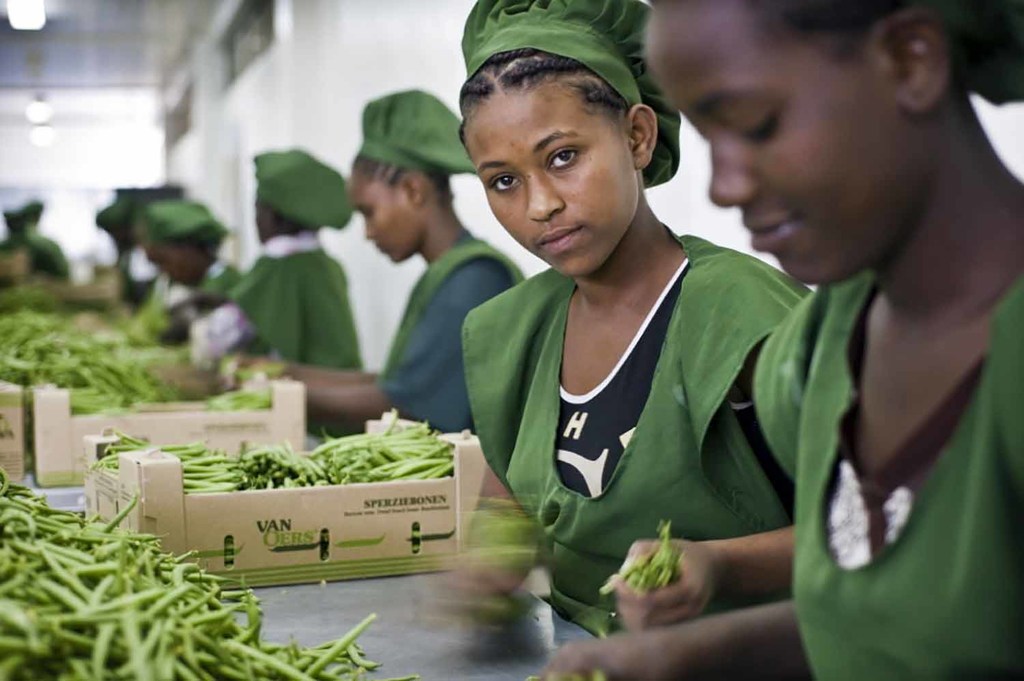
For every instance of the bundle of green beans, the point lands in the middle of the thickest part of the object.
(204, 470)
(592, 676)
(240, 400)
(277, 466)
(651, 571)
(83, 601)
(414, 453)
(38, 349)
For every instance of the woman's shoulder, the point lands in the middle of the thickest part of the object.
(725, 269)
(523, 306)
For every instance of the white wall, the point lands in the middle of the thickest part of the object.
(331, 56)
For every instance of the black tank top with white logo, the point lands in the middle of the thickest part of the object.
(595, 428)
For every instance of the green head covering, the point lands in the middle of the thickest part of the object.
(302, 189)
(28, 214)
(119, 214)
(988, 45)
(606, 36)
(414, 130)
(178, 220)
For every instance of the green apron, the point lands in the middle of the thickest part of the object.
(946, 600)
(299, 306)
(688, 460)
(46, 256)
(423, 293)
(226, 280)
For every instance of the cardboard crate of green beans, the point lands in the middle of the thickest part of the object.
(231, 422)
(387, 502)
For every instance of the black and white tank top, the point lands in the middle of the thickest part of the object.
(594, 429)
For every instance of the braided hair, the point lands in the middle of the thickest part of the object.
(526, 68)
(391, 174)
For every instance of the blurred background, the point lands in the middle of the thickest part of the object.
(97, 95)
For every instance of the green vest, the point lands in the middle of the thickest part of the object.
(299, 306)
(222, 283)
(423, 293)
(946, 600)
(688, 460)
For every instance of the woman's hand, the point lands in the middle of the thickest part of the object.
(700, 571)
(626, 657)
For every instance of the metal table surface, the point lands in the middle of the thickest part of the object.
(413, 634)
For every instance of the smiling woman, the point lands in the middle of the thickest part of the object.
(843, 131)
(612, 391)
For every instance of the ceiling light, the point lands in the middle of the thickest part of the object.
(39, 111)
(42, 135)
(26, 15)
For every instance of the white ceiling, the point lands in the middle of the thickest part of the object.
(100, 43)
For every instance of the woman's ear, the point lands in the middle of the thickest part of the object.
(414, 188)
(912, 46)
(642, 124)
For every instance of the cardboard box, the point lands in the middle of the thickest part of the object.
(291, 536)
(58, 435)
(14, 266)
(103, 292)
(12, 431)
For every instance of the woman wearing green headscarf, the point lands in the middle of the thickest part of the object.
(182, 239)
(893, 394)
(613, 391)
(45, 255)
(400, 184)
(294, 302)
(137, 272)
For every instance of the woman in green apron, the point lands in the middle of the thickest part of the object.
(612, 391)
(844, 132)
(182, 239)
(137, 273)
(400, 184)
(294, 302)
(22, 232)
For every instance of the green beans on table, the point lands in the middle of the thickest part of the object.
(103, 374)
(82, 601)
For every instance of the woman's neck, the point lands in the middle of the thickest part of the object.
(442, 233)
(966, 246)
(638, 268)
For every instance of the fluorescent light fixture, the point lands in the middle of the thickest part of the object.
(26, 15)
(39, 111)
(42, 135)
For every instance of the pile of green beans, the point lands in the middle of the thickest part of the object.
(27, 297)
(37, 349)
(651, 571)
(204, 470)
(414, 453)
(240, 400)
(81, 600)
